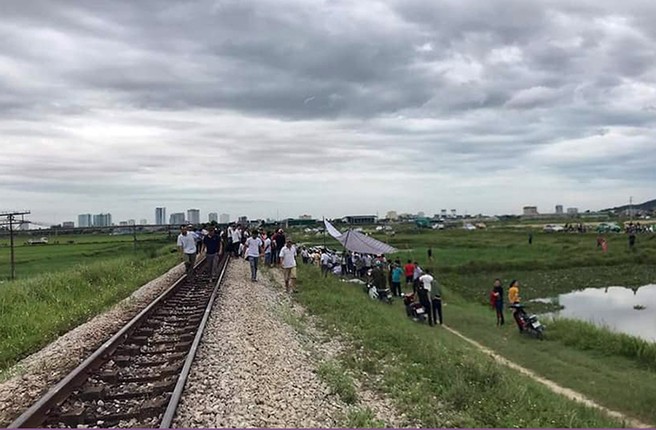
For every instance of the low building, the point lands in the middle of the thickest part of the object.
(360, 219)
(530, 211)
(68, 224)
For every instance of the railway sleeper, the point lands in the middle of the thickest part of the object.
(82, 415)
(116, 376)
(150, 360)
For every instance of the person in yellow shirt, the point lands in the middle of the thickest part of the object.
(513, 298)
(513, 292)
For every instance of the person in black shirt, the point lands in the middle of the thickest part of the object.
(212, 244)
(496, 300)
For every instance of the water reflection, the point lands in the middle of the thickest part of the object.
(614, 307)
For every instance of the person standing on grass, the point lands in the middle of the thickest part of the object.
(496, 300)
(424, 292)
(430, 254)
(397, 275)
(325, 262)
(213, 249)
(530, 237)
(409, 269)
(253, 251)
(514, 299)
(437, 302)
(287, 257)
(416, 274)
(187, 246)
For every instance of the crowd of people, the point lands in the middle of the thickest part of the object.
(417, 286)
(255, 245)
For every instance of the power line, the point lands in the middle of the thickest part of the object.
(11, 220)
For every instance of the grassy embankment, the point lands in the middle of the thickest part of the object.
(615, 370)
(434, 377)
(36, 310)
(64, 252)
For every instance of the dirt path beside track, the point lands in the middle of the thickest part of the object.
(570, 394)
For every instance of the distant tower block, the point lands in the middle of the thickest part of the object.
(453, 213)
(559, 209)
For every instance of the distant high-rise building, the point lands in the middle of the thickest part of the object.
(160, 216)
(572, 211)
(421, 214)
(392, 215)
(102, 220)
(243, 220)
(177, 218)
(123, 223)
(213, 216)
(68, 224)
(84, 220)
(224, 218)
(443, 213)
(559, 209)
(24, 226)
(131, 222)
(193, 216)
(143, 221)
(305, 216)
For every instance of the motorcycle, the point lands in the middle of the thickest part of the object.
(528, 323)
(376, 294)
(413, 309)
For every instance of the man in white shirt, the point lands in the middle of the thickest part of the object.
(326, 259)
(187, 246)
(288, 263)
(267, 251)
(425, 287)
(236, 240)
(253, 251)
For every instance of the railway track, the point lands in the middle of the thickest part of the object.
(136, 378)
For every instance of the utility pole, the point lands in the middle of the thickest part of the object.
(10, 219)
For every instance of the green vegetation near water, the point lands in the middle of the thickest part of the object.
(434, 377)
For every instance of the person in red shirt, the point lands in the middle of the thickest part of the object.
(409, 270)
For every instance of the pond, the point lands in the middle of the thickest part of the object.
(614, 307)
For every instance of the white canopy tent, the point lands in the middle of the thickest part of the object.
(358, 242)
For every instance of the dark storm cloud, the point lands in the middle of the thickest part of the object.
(100, 93)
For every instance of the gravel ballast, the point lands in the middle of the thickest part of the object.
(253, 369)
(34, 375)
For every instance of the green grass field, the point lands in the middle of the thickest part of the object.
(64, 252)
(616, 370)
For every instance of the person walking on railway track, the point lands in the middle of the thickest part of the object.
(268, 256)
(213, 247)
(187, 246)
(288, 263)
(253, 251)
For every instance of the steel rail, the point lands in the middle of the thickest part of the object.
(35, 415)
(167, 419)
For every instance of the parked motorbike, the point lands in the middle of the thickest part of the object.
(413, 309)
(528, 324)
(376, 294)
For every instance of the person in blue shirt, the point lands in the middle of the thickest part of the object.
(397, 275)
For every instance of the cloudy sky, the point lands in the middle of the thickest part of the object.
(327, 107)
